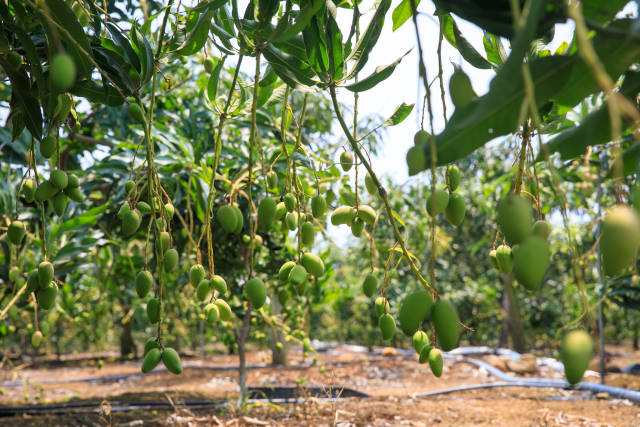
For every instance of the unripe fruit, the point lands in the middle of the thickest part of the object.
(421, 138)
(136, 114)
(445, 320)
(346, 160)
(493, 258)
(63, 106)
(357, 226)
(437, 202)
(266, 213)
(285, 269)
(281, 211)
(416, 160)
(227, 218)
(298, 275)
(381, 306)
(313, 264)
(414, 309)
(151, 360)
(576, 353)
(59, 179)
(149, 345)
(62, 72)
(504, 259)
(28, 190)
(123, 209)
(256, 293)
(131, 222)
(289, 202)
(16, 232)
(239, 218)
(143, 207)
(460, 89)
(45, 191)
(169, 211)
(170, 260)
(153, 310)
(208, 65)
(424, 353)
(318, 206)
(541, 229)
(36, 339)
(60, 202)
(343, 215)
(292, 220)
(164, 242)
(272, 179)
(223, 309)
(196, 274)
(514, 218)
(46, 296)
(33, 283)
(15, 59)
(13, 274)
(74, 194)
(367, 214)
(370, 185)
(453, 177)
(283, 297)
(144, 283)
(48, 146)
(436, 362)
(369, 285)
(620, 233)
(530, 262)
(455, 210)
(307, 234)
(73, 181)
(387, 326)
(45, 273)
(211, 313)
(419, 340)
(203, 289)
(219, 284)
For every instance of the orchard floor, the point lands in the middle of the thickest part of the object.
(390, 380)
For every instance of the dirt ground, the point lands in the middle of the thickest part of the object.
(390, 379)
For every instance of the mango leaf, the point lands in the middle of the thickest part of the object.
(595, 129)
(289, 67)
(198, 36)
(602, 11)
(455, 38)
(402, 12)
(22, 99)
(94, 93)
(360, 53)
(145, 53)
(85, 218)
(315, 44)
(212, 86)
(284, 30)
(494, 49)
(334, 48)
(402, 112)
(123, 42)
(381, 73)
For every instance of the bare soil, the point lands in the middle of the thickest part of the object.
(390, 380)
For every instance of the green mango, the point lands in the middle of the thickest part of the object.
(424, 353)
(168, 211)
(370, 184)
(416, 160)
(45, 273)
(421, 138)
(164, 242)
(16, 232)
(414, 308)
(419, 340)
(445, 320)
(196, 274)
(73, 181)
(530, 262)
(136, 114)
(266, 213)
(203, 289)
(256, 293)
(437, 202)
(45, 191)
(153, 310)
(227, 218)
(272, 179)
(367, 214)
(59, 179)
(504, 259)
(208, 64)
(346, 161)
(129, 186)
(290, 202)
(281, 211)
(453, 177)
(62, 72)
(381, 305)
(460, 89)
(369, 285)
(514, 218)
(170, 260)
(74, 193)
(223, 309)
(541, 228)
(455, 210)
(151, 360)
(46, 296)
(36, 339)
(619, 238)
(239, 218)
(493, 258)
(307, 234)
(33, 283)
(149, 345)
(48, 146)
(13, 274)
(131, 221)
(357, 226)
(144, 283)
(285, 269)
(292, 220)
(318, 206)
(211, 313)
(29, 190)
(144, 208)
(219, 284)
(60, 202)
(436, 362)
(387, 326)
(298, 275)
(343, 215)
(576, 352)
(313, 264)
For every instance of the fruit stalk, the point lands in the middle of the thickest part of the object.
(252, 144)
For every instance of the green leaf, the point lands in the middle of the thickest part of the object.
(602, 11)
(289, 68)
(94, 93)
(127, 51)
(284, 31)
(402, 12)
(595, 129)
(402, 112)
(381, 73)
(455, 38)
(145, 53)
(316, 46)
(198, 36)
(22, 100)
(212, 86)
(494, 49)
(334, 48)
(86, 218)
(361, 51)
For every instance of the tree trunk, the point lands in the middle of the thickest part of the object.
(127, 345)
(278, 357)
(513, 316)
(241, 339)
